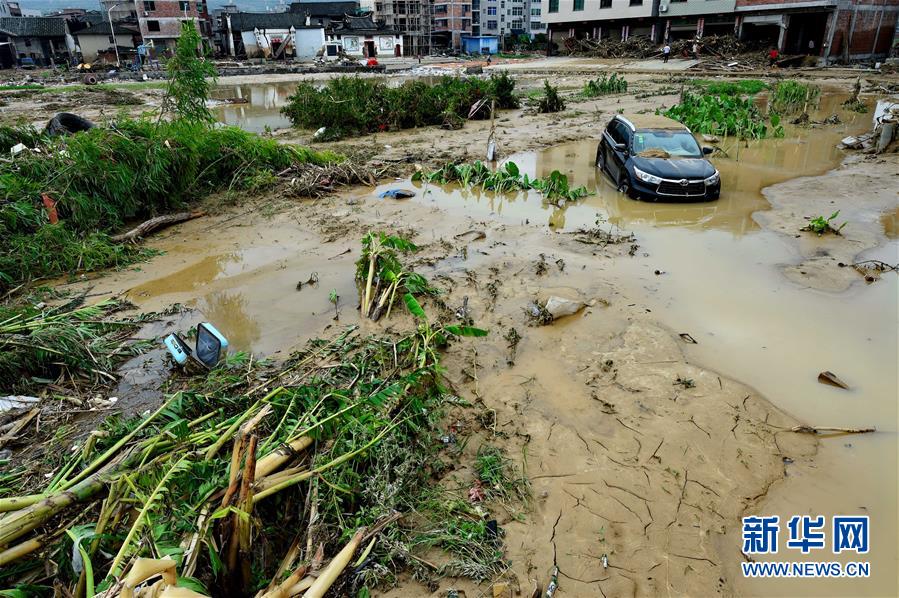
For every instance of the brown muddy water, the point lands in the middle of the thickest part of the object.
(720, 281)
(262, 109)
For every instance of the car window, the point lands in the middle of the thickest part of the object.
(618, 131)
(666, 144)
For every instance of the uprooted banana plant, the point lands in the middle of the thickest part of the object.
(382, 275)
(504, 179)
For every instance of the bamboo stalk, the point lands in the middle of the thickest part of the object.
(23, 521)
(14, 503)
(244, 525)
(330, 573)
(277, 458)
(16, 552)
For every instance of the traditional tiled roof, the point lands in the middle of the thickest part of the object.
(361, 24)
(247, 21)
(324, 9)
(33, 26)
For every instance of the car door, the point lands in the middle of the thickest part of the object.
(614, 158)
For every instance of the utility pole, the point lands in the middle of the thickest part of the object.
(115, 41)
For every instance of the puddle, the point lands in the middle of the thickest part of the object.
(261, 110)
(890, 222)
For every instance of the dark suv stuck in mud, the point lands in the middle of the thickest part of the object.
(655, 158)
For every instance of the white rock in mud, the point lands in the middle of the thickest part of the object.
(559, 307)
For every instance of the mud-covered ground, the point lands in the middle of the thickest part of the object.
(641, 463)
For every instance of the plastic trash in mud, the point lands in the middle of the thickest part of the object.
(66, 123)
(397, 194)
(211, 344)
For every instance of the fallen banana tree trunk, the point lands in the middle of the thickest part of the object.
(145, 228)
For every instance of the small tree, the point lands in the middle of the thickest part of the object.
(190, 77)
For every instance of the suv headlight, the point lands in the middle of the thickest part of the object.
(646, 177)
(713, 180)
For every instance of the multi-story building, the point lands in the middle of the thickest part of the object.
(834, 30)
(535, 19)
(600, 18)
(119, 10)
(160, 20)
(412, 18)
(450, 20)
(507, 17)
(690, 18)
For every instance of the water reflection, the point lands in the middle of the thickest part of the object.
(262, 107)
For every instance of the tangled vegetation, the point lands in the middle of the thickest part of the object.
(71, 340)
(724, 115)
(605, 85)
(788, 97)
(344, 436)
(98, 180)
(61, 199)
(350, 106)
(505, 179)
(551, 101)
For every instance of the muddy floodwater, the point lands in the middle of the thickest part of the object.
(258, 107)
(706, 269)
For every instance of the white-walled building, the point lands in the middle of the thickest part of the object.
(274, 36)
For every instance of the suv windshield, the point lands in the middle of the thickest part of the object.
(666, 144)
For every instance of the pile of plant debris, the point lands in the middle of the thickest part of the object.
(350, 106)
(252, 475)
(640, 46)
(504, 179)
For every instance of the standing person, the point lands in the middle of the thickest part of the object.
(772, 56)
(666, 52)
(811, 46)
(696, 49)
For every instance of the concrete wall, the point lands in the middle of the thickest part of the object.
(695, 7)
(593, 11)
(92, 44)
(353, 45)
(308, 41)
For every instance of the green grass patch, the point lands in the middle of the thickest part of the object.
(351, 106)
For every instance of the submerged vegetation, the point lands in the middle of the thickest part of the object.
(605, 85)
(788, 97)
(507, 178)
(724, 115)
(350, 106)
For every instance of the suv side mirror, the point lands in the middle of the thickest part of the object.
(706, 150)
(620, 147)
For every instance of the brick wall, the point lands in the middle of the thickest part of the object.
(162, 18)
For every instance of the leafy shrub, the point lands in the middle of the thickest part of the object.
(604, 86)
(723, 115)
(102, 178)
(551, 100)
(791, 96)
(350, 106)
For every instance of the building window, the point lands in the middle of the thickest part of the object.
(578, 4)
(636, 2)
(184, 5)
(491, 10)
(27, 43)
(553, 5)
(491, 24)
(605, 3)
(536, 25)
(517, 11)
(149, 5)
(152, 25)
(535, 12)
(517, 25)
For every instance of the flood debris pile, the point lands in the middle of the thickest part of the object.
(351, 106)
(253, 476)
(382, 277)
(64, 197)
(504, 179)
(69, 342)
(640, 46)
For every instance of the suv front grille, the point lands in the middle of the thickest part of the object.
(675, 188)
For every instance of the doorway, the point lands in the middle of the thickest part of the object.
(370, 51)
